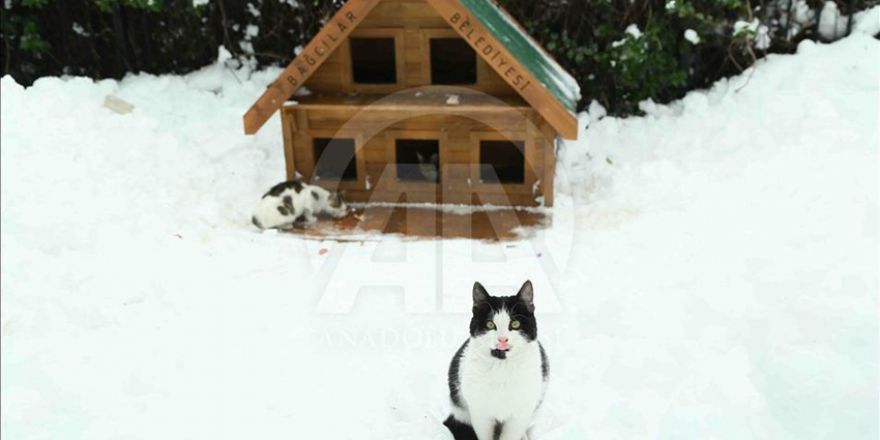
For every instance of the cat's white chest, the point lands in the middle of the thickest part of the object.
(502, 389)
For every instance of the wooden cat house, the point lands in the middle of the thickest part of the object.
(423, 101)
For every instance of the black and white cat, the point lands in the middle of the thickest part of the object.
(428, 168)
(498, 377)
(293, 202)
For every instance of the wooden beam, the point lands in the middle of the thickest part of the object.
(307, 62)
(508, 66)
(288, 131)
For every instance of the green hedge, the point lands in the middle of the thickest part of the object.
(621, 51)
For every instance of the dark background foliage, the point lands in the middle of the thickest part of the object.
(617, 67)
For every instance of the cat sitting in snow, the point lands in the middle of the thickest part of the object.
(498, 377)
(294, 202)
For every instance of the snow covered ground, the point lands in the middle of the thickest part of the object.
(712, 271)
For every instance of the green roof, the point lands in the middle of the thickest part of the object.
(527, 51)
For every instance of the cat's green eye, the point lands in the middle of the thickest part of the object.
(490, 325)
(514, 325)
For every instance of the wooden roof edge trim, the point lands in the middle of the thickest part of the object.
(567, 126)
(334, 32)
(508, 67)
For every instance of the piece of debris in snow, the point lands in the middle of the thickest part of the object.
(117, 105)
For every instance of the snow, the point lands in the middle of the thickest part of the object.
(223, 55)
(762, 38)
(832, 24)
(79, 30)
(803, 14)
(754, 29)
(634, 30)
(633, 33)
(595, 112)
(867, 22)
(253, 10)
(745, 26)
(692, 36)
(711, 271)
(251, 31)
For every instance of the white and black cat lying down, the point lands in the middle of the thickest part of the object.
(498, 377)
(295, 202)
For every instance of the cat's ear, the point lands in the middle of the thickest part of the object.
(527, 295)
(480, 294)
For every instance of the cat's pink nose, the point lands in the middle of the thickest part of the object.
(502, 339)
(502, 343)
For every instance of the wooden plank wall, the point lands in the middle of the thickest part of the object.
(457, 134)
(417, 19)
